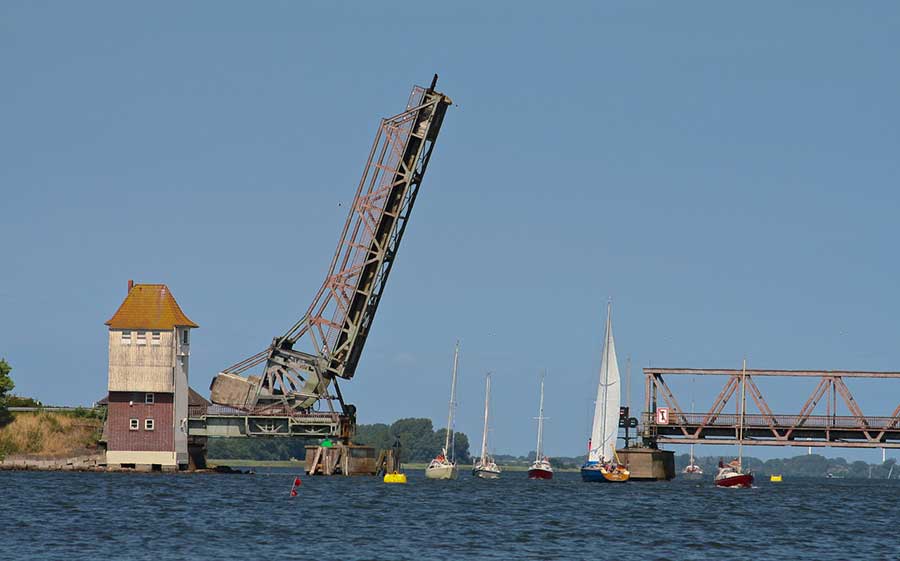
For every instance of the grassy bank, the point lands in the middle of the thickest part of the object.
(56, 434)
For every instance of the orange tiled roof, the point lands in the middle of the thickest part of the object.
(149, 306)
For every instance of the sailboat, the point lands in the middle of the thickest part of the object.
(732, 474)
(485, 467)
(444, 466)
(541, 468)
(692, 471)
(603, 463)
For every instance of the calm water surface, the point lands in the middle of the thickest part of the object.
(74, 516)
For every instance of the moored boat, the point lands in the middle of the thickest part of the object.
(443, 466)
(540, 468)
(605, 471)
(692, 470)
(732, 474)
(486, 470)
(485, 467)
(603, 463)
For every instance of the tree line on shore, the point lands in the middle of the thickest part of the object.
(419, 442)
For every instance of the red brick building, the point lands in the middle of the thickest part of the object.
(149, 348)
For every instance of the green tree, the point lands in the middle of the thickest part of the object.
(377, 435)
(461, 448)
(6, 386)
(418, 440)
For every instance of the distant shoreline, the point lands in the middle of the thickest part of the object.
(212, 462)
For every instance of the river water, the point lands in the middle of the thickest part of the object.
(98, 516)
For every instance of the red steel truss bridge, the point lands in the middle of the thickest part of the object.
(817, 423)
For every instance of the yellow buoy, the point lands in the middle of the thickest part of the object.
(395, 478)
(775, 478)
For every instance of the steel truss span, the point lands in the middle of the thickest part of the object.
(809, 427)
(301, 367)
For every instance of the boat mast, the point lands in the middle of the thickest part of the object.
(487, 400)
(604, 379)
(741, 417)
(539, 452)
(448, 449)
(692, 414)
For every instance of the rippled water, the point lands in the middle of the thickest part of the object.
(73, 516)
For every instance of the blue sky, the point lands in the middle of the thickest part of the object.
(727, 174)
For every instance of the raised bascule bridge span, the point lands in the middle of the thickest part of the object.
(815, 424)
(290, 389)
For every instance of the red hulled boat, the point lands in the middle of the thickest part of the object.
(541, 469)
(731, 475)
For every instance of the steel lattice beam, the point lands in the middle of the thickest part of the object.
(334, 328)
(767, 427)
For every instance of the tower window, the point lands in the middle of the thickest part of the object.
(126, 337)
(155, 338)
(184, 337)
(141, 337)
(148, 424)
(134, 424)
(149, 398)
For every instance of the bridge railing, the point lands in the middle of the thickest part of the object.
(677, 419)
(269, 411)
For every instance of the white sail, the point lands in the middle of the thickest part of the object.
(539, 451)
(605, 428)
(487, 403)
(449, 443)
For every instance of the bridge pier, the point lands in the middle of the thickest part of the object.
(341, 459)
(197, 450)
(648, 464)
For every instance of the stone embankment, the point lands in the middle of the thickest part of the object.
(90, 462)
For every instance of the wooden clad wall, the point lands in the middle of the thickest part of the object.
(141, 367)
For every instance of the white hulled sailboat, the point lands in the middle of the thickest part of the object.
(485, 467)
(602, 463)
(444, 465)
(692, 470)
